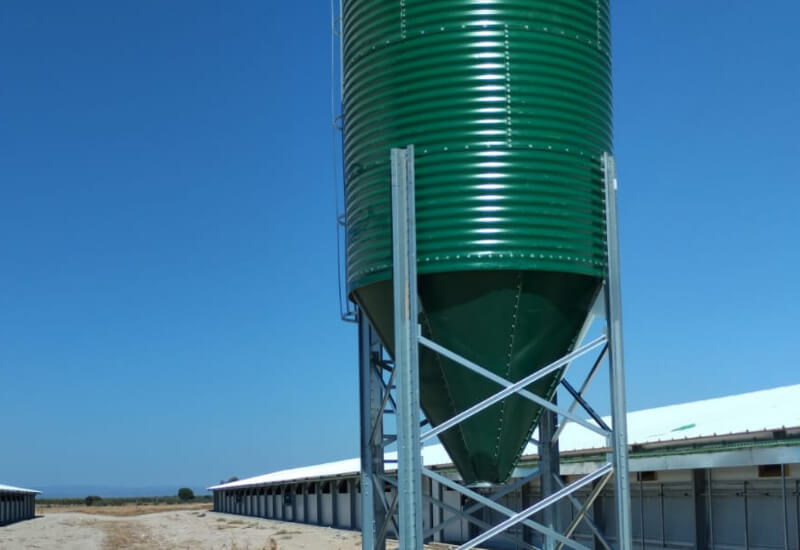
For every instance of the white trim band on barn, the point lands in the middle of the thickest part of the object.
(16, 504)
(718, 474)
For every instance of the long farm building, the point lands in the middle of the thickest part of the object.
(719, 474)
(16, 504)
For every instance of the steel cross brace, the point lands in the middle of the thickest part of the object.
(386, 396)
(391, 509)
(583, 388)
(520, 517)
(511, 387)
(549, 500)
(494, 497)
(458, 514)
(585, 516)
(464, 514)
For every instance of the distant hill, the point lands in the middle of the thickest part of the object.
(78, 491)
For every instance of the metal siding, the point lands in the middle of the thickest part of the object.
(343, 510)
(300, 506)
(728, 513)
(312, 508)
(357, 509)
(454, 532)
(287, 507)
(509, 107)
(765, 522)
(327, 508)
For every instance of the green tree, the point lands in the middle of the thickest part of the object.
(92, 499)
(184, 493)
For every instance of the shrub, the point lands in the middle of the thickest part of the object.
(184, 493)
(92, 499)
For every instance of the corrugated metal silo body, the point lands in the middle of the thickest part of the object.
(508, 104)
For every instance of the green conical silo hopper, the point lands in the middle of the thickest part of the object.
(508, 105)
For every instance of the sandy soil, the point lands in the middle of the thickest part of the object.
(122, 510)
(174, 530)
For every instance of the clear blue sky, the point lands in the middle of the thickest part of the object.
(168, 309)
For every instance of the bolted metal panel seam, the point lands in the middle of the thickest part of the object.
(509, 106)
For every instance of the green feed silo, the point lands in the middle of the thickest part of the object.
(508, 105)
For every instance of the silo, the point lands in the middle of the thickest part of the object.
(508, 105)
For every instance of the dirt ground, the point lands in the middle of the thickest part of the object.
(173, 530)
(122, 510)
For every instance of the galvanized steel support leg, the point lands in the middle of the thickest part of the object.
(549, 468)
(409, 459)
(613, 296)
(372, 404)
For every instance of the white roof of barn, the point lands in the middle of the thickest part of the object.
(753, 412)
(12, 489)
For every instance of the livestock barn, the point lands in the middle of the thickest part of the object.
(16, 504)
(719, 474)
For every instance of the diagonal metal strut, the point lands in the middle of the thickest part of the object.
(494, 497)
(523, 516)
(511, 513)
(583, 388)
(510, 388)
